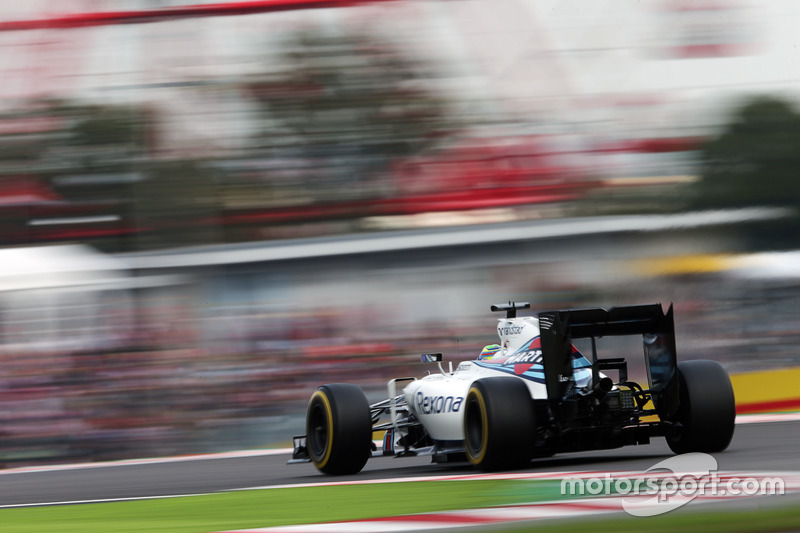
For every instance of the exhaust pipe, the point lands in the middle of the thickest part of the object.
(602, 387)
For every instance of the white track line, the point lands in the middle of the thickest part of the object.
(102, 500)
(788, 476)
(791, 480)
(768, 417)
(452, 477)
(148, 461)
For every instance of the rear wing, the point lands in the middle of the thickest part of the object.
(657, 328)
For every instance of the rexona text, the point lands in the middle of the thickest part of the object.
(431, 405)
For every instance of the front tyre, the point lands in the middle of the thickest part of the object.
(339, 429)
(706, 414)
(499, 424)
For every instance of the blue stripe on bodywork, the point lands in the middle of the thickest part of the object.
(536, 373)
(581, 368)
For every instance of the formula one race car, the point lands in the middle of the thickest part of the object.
(537, 396)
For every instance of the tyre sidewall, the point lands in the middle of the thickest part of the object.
(499, 413)
(707, 408)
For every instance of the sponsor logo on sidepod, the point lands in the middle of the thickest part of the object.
(431, 405)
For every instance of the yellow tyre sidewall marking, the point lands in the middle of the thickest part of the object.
(329, 413)
(484, 428)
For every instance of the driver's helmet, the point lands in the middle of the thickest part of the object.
(489, 351)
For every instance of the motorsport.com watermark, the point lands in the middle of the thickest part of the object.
(670, 484)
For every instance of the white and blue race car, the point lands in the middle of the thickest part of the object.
(536, 396)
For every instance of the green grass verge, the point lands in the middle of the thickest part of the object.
(263, 508)
(274, 507)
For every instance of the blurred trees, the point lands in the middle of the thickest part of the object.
(108, 154)
(176, 205)
(346, 105)
(87, 172)
(756, 160)
(121, 126)
(96, 151)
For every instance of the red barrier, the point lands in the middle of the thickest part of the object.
(107, 18)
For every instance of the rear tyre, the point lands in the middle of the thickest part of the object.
(499, 424)
(707, 409)
(339, 429)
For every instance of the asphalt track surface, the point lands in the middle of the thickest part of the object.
(761, 447)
